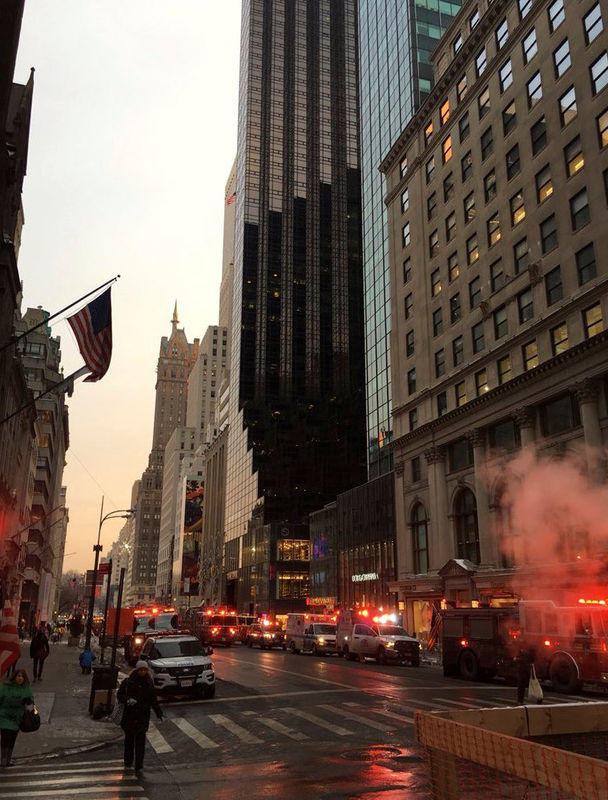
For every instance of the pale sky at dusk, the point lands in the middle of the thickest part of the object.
(132, 138)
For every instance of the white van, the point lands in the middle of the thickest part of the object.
(311, 633)
(362, 635)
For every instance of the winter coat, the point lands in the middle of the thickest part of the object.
(86, 658)
(39, 648)
(136, 717)
(13, 699)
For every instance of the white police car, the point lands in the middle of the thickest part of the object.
(179, 664)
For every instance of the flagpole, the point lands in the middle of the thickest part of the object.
(72, 377)
(16, 339)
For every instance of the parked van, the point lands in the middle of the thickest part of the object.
(369, 633)
(311, 633)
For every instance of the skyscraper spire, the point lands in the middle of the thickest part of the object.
(175, 320)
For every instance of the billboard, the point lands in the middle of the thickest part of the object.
(193, 529)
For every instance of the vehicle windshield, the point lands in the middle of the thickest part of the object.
(392, 630)
(325, 628)
(170, 649)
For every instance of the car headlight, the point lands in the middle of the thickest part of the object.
(390, 644)
(321, 640)
(139, 640)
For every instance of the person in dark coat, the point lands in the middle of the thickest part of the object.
(15, 697)
(39, 650)
(138, 696)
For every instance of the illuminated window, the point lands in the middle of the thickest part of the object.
(504, 369)
(472, 249)
(461, 88)
(530, 355)
(493, 226)
(602, 128)
(559, 339)
(460, 391)
(594, 321)
(293, 550)
(292, 585)
(428, 132)
(481, 382)
(453, 266)
(446, 149)
(444, 112)
(544, 184)
(518, 209)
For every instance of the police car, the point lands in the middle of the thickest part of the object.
(179, 664)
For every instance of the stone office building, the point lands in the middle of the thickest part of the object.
(497, 194)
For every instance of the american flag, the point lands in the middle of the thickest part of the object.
(92, 327)
(10, 649)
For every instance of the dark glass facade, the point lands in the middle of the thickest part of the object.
(396, 41)
(297, 405)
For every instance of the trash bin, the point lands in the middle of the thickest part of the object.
(105, 678)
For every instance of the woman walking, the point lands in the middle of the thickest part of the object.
(138, 696)
(39, 650)
(15, 697)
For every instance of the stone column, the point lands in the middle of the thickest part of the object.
(526, 420)
(487, 543)
(402, 528)
(441, 545)
(587, 394)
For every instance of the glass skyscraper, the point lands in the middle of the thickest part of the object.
(396, 39)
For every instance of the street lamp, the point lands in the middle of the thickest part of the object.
(125, 513)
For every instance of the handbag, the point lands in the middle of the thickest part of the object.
(116, 713)
(535, 692)
(30, 721)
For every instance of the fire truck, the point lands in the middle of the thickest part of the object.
(569, 643)
(213, 625)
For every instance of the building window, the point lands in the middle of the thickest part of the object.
(524, 7)
(403, 166)
(530, 355)
(505, 76)
(416, 469)
(548, 234)
(405, 234)
(556, 14)
(602, 128)
(594, 322)
(521, 255)
(585, 264)
(592, 23)
(467, 533)
(453, 266)
(504, 435)
(457, 351)
(481, 382)
(481, 62)
(466, 165)
(525, 305)
(409, 343)
(439, 363)
(434, 243)
(420, 539)
(457, 44)
(483, 102)
(497, 275)
(428, 132)
(408, 305)
(579, 210)
(448, 187)
(431, 205)
(478, 338)
(407, 270)
(538, 135)
(559, 339)
(513, 162)
(489, 186)
(437, 322)
(435, 283)
(472, 249)
(534, 89)
(430, 169)
(411, 381)
(500, 322)
(487, 143)
(567, 106)
(463, 127)
(413, 417)
(455, 310)
(469, 207)
(561, 59)
(442, 404)
(461, 88)
(446, 149)
(450, 226)
(460, 393)
(553, 286)
(503, 366)
(474, 19)
(405, 200)
(444, 112)
(544, 185)
(518, 208)
(509, 118)
(460, 454)
(493, 226)
(529, 46)
(599, 73)
(475, 292)
(502, 34)
(559, 415)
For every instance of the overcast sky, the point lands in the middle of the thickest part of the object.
(132, 138)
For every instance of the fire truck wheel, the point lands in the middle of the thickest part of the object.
(293, 649)
(564, 675)
(468, 666)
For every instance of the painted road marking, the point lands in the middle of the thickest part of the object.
(234, 728)
(201, 740)
(385, 713)
(274, 725)
(379, 726)
(158, 741)
(317, 721)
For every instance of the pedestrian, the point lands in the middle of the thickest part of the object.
(86, 659)
(525, 659)
(15, 697)
(138, 696)
(39, 650)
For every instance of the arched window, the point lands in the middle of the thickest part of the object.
(467, 531)
(420, 539)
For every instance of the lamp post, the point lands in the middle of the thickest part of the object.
(125, 513)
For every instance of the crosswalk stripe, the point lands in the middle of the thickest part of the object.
(69, 779)
(277, 726)
(24, 771)
(106, 762)
(202, 741)
(317, 721)
(234, 728)
(80, 790)
(379, 726)
(157, 740)
(389, 714)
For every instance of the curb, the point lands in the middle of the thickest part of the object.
(70, 751)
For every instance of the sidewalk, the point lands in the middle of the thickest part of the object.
(62, 697)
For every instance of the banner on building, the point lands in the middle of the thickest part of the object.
(193, 529)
